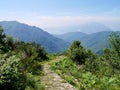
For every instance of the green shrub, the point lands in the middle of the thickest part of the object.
(10, 75)
(77, 53)
(85, 80)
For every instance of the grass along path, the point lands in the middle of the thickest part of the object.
(52, 80)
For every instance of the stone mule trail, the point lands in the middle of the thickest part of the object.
(52, 80)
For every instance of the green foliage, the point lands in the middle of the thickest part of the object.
(77, 52)
(115, 41)
(20, 63)
(85, 80)
(10, 43)
(94, 41)
(113, 59)
(14, 76)
(10, 75)
(7, 43)
(96, 72)
(2, 39)
(33, 51)
(26, 33)
(109, 63)
(32, 54)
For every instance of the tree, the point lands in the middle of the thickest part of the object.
(112, 57)
(77, 52)
(32, 55)
(11, 76)
(2, 39)
(10, 43)
(115, 41)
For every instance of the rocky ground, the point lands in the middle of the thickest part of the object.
(52, 80)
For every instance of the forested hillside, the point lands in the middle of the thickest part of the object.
(95, 41)
(71, 36)
(26, 33)
(57, 43)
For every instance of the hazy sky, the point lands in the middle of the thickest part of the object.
(49, 14)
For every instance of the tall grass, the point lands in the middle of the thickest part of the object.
(84, 80)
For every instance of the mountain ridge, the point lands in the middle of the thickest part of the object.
(56, 43)
(96, 41)
(74, 35)
(27, 33)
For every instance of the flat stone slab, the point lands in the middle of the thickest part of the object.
(52, 80)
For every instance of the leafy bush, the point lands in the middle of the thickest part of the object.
(19, 64)
(77, 53)
(115, 41)
(85, 80)
(2, 40)
(10, 75)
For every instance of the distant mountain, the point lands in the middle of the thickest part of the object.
(89, 28)
(71, 36)
(24, 32)
(93, 27)
(95, 41)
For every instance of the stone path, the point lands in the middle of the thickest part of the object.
(52, 80)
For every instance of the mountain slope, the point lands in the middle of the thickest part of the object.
(95, 41)
(71, 36)
(28, 33)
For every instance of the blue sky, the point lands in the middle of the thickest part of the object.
(49, 14)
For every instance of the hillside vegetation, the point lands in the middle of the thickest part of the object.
(95, 41)
(27, 33)
(88, 71)
(20, 64)
(23, 64)
(59, 43)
